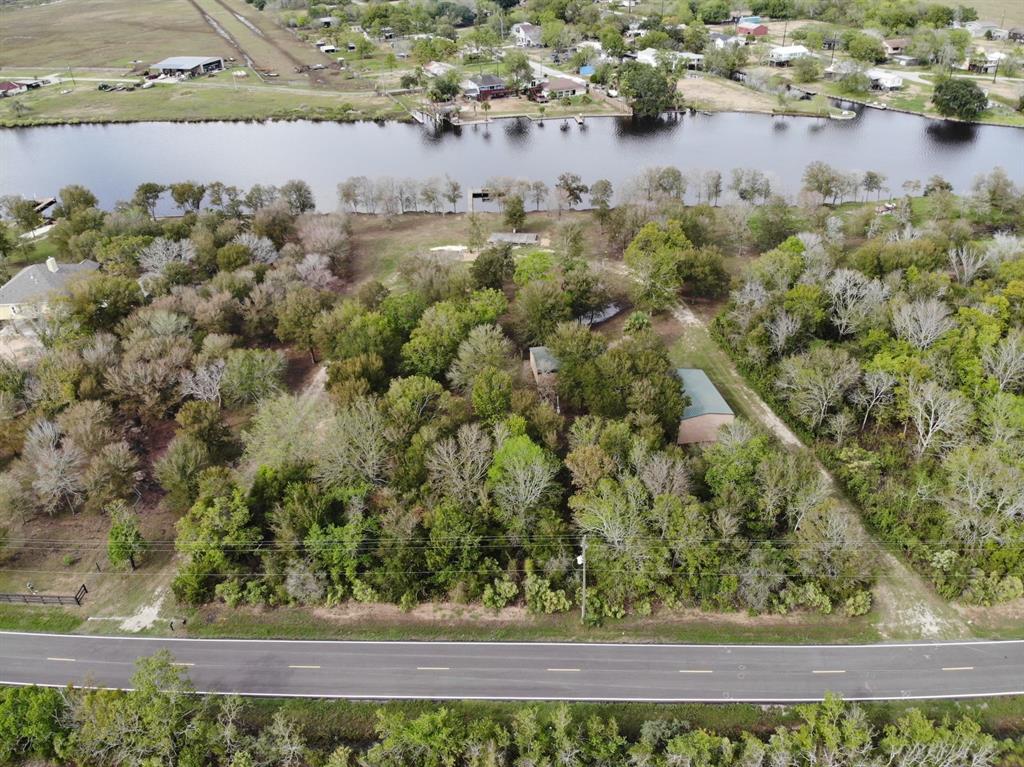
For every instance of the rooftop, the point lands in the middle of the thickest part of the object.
(514, 238)
(185, 62)
(40, 280)
(486, 80)
(704, 397)
(543, 359)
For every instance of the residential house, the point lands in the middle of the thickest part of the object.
(1016, 34)
(721, 41)
(984, 61)
(895, 46)
(484, 87)
(27, 294)
(707, 412)
(750, 19)
(544, 365)
(783, 55)
(884, 81)
(8, 88)
(985, 28)
(189, 66)
(526, 35)
(326, 22)
(327, 47)
(751, 29)
(560, 88)
(837, 70)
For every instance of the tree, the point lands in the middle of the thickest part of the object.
(750, 185)
(515, 215)
(816, 382)
(711, 186)
(1005, 361)
(493, 266)
(873, 182)
(876, 390)
(539, 191)
(73, 199)
(452, 191)
(863, 47)
(939, 416)
(959, 97)
(649, 91)
(601, 199)
(807, 69)
(922, 322)
(250, 375)
(855, 300)
(124, 541)
(571, 189)
(772, 222)
(296, 316)
(444, 88)
(654, 256)
(146, 196)
(519, 70)
(188, 195)
(298, 197)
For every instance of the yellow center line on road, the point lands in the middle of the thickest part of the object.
(563, 669)
(432, 668)
(63, 660)
(695, 671)
(314, 667)
(828, 671)
(958, 668)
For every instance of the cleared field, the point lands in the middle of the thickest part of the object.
(104, 33)
(1009, 13)
(218, 99)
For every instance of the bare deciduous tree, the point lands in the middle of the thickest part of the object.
(261, 249)
(1005, 361)
(855, 299)
(203, 383)
(161, 253)
(938, 416)
(815, 382)
(967, 262)
(876, 390)
(458, 465)
(983, 494)
(781, 328)
(356, 448)
(922, 322)
(315, 271)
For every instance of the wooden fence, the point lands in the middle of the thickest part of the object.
(46, 599)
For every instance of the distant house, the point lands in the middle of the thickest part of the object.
(7, 88)
(484, 87)
(987, 29)
(560, 88)
(783, 55)
(1016, 34)
(750, 19)
(751, 29)
(189, 66)
(707, 412)
(895, 46)
(526, 35)
(328, 48)
(28, 293)
(840, 69)
(983, 61)
(514, 238)
(327, 22)
(721, 41)
(544, 365)
(653, 56)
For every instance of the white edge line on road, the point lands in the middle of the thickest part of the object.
(63, 660)
(301, 666)
(563, 669)
(695, 671)
(432, 668)
(828, 671)
(958, 668)
(582, 699)
(640, 645)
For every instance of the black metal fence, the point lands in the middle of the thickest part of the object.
(46, 599)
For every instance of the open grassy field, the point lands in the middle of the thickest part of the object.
(103, 33)
(204, 99)
(1006, 13)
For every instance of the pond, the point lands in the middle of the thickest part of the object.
(112, 159)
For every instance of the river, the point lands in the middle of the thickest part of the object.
(112, 159)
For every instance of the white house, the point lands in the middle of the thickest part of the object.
(526, 35)
(438, 69)
(560, 88)
(884, 81)
(785, 54)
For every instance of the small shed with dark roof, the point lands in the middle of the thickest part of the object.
(707, 412)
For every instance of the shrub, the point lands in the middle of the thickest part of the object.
(178, 470)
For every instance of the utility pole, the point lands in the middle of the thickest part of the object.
(995, 71)
(785, 29)
(582, 560)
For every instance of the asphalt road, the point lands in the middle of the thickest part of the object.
(530, 671)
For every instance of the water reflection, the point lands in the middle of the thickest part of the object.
(112, 160)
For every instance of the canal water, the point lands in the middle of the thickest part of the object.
(112, 159)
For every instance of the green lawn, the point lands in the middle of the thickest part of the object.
(57, 620)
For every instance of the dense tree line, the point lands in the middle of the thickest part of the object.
(895, 341)
(161, 721)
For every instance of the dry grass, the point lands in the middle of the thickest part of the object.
(1007, 13)
(104, 33)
